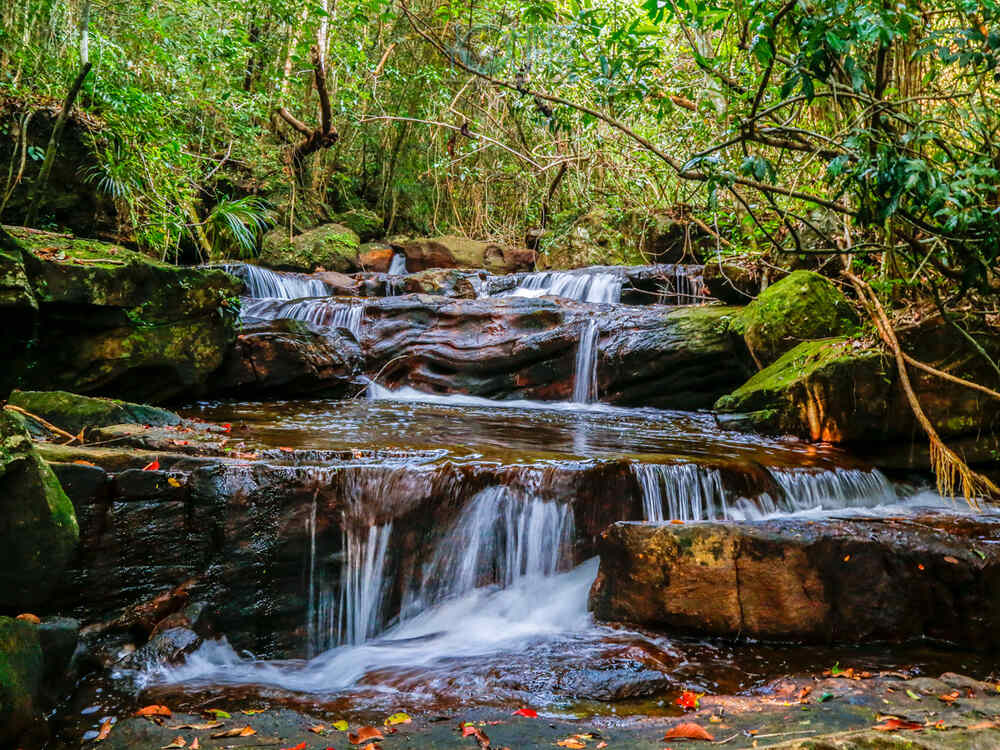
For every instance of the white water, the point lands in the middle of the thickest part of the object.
(580, 286)
(585, 383)
(398, 265)
(321, 312)
(263, 283)
(685, 492)
(363, 583)
(688, 288)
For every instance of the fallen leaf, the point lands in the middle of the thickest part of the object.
(913, 695)
(318, 729)
(227, 427)
(105, 731)
(198, 727)
(81, 462)
(847, 558)
(950, 559)
(676, 521)
(28, 617)
(340, 726)
(572, 742)
(285, 449)
(300, 746)
(253, 711)
(892, 724)
(364, 734)
(689, 700)
(154, 711)
(218, 713)
(920, 566)
(173, 482)
(528, 713)
(468, 730)
(178, 742)
(689, 731)
(951, 697)
(195, 745)
(153, 465)
(235, 732)
(398, 718)
(601, 745)
(804, 692)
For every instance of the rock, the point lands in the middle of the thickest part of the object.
(168, 647)
(800, 307)
(670, 237)
(460, 252)
(328, 247)
(818, 581)
(292, 358)
(375, 257)
(74, 413)
(735, 283)
(21, 670)
(368, 225)
(592, 239)
(440, 281)
(58, 637)
(114, 321)
(517, 347)
(38, 527)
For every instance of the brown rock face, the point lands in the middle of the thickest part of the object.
(375, 257)
(460, 252)
(827, 581)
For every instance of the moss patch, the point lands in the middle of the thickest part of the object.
(332, 247)
(364, 223)
(20, 676)
(74, 413)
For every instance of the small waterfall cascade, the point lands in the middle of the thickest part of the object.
(685, 492)
(689, 492)
(585, 383)
(321, 312)
(265, 283)
(502, 537)
(580, 286)
(398, 265)
(362, 588)
(687, 288)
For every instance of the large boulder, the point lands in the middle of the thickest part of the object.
(38, 528)
(328, 247)
(368, 225)
(74, 413)
(114, 321)
(21, 671)
(446, 282)
(804, 580)
(461, 252)
(800, 307)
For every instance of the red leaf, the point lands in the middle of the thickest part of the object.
(153, 466)
(892, 724)
(528, 713)
(227, 427)
(688, 700)
(300, 746)
(364, 734)
(688, 732)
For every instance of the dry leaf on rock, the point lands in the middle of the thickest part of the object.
(688, 731)
(364, 735)
(154, 711)
(177, 743)
(235, 732)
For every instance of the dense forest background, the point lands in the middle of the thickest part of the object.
(867, 127)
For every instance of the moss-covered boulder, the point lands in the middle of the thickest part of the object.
(328, 247)
(38, 529)
(801, 307)
(113, 321)
(595, 238)
(366, 224)
(73, 413)
(20, 678)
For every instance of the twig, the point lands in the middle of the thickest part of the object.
(45, 424)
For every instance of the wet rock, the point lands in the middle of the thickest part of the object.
(38, 527)
(328, 247)
(460, 252)
(292, 358)
(114, 321)
(800, 307)
(341, 284)
(442, 282)
(735, 282)
(526, 348)
(21, 671)
(167, 647)
(817, 581)
(375, 257)
(74, 413)
(367, 224)
(58, 637)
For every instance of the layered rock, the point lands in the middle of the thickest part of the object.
(112, 321)
(460, 252)
(38, 526)
(827, 581)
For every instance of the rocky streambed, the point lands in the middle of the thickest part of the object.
(453, 494)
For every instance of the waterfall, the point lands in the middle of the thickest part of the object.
(685, 492)
(501, 537)
(362, 583)
(585, 384)
(398, 265)
(805, 489)
(262, 282)
(581, 286)
(322, 312)
(688, 287)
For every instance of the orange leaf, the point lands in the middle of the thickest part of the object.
(689, 700)
(177, 743)
(318, 729)
(950, 697)
(572, 743)
(892, 724)
(528, 713)
(950, 559)
(153, 465)
(689, 731)
(105, 731)
(154, 711)
(195, 745)
(81, 462)
(300, 746)
(28, 617)
(364, 734)
(601, 745)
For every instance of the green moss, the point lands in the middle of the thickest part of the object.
(66, 249)
(800, 307)
(20, 676)
(364, 223)
(74, 413)
(332, 247)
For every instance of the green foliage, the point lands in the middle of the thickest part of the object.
(234, 227)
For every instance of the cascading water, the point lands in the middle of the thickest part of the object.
(398, 265)
(585, 382)
(685, 492)
(362, 583)
(264, 283)
(688, 287)
(321, 312)
(580, 286)
(805, 489)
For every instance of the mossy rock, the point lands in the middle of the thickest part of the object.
(20, 678)
(595, 238)
(38, 528)
(73, 413)
(329, 247)
(801, 307)
(368, 225)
